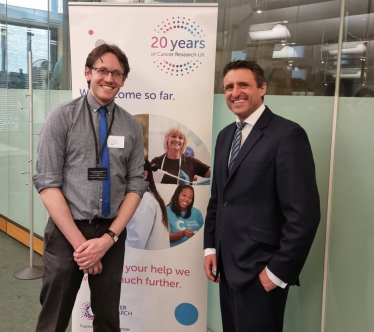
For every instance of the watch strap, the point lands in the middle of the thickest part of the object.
(113, 235)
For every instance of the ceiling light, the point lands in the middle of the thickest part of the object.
(347, 48)
(266, 31)
(347, 73)
(257, 8)
(282, 51)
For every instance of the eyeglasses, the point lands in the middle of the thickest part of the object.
(104, 72)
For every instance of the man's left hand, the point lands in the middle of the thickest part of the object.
(266, 282)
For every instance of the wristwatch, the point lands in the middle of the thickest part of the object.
(112, 235)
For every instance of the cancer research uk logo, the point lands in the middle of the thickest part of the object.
(178, 46)
(87, 313)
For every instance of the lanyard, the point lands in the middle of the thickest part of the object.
(180, 165)
(98, 153)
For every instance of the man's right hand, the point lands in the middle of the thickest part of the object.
(210, 267)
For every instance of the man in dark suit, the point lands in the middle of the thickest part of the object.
(264, 209)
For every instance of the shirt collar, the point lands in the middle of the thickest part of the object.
(252, 119)
(94, 104)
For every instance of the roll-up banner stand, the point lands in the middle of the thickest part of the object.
(171, 50)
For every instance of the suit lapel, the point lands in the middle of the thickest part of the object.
(251, 140)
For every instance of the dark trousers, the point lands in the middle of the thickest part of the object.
(62, 279)
(251, 309)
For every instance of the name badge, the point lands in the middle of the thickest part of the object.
(117, 142)
(98, 173)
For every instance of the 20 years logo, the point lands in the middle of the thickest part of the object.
(178, 46)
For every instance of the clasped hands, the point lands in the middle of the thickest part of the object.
(88, 255)
(188, 232)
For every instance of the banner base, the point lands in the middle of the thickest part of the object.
(29, 273)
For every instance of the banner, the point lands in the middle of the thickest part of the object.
(171, 50)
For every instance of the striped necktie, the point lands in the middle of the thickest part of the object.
(236, 143)
(105, 163)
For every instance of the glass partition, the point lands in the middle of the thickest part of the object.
(297, 43)
(22, 35)
(39, 26)
(350, 291)
(3, 118)
(286, 38)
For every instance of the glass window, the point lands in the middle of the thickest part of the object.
(20, 40)
(34, 4)
(295, 41)
(17, 39)
(357, 64)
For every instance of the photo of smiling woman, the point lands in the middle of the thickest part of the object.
(184, 220)
(177, 167)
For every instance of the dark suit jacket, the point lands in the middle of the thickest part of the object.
(266, 212)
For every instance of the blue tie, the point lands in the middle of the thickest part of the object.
(105, 162)
(236, 143)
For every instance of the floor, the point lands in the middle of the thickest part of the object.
(19, 299)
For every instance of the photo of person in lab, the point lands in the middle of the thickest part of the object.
(177, 165)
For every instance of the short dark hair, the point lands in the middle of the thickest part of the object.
(174, 202)
(99, 51)
(253, 66)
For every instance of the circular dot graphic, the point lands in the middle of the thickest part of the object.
(192, 29)
(186, 314)
(90, 32)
